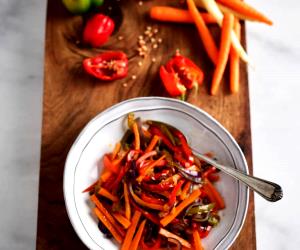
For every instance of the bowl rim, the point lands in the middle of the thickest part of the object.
(191, 106)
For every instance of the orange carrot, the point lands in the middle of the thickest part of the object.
(204, 33)
(185, 190)
(108, 225)
(176, 15)
(136, 136)
(116, 151)
(105, 175)
(107, 215)
(103, 192)
(168, 234)
(227, 26)
(213, 194)
(197, 240)
(149, 168)
(177, 210)
(246, 10)
(235, 62)
(118, 161)
(122, 220)
(136, 240)
(127, 204)
(131, 230)
(152, 143)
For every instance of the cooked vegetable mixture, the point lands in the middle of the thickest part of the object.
(154, 192)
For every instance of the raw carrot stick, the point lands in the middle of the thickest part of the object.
(227, 26)
(212, 8)
(127, 203)
(197, 240)
(105, 175)
(136, 136)
(116, 151)
(131, 230)
(185, 190)
(203, 31)
(246, 10)
(103, 192)
(107, 215)
(168, 234)
(136, 240)
(235, 62)
(122, 220)
(108, 225)
(171, 14)
(177, 210)
(152, 143)
(213, 194)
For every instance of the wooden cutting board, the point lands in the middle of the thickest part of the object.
(72, 98)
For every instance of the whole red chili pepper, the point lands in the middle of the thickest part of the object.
(179, 74)
(98, 30)
(107, 66)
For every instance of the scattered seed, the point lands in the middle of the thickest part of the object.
(142, 42)
(133, 77)
(140, 63)
(140, 3)
(149, 28)
(124, 84)
(120, 38)
(141, 37)
(153, 40)
(155, 31)
(153, 59)
(144, 48)
(159, 40)
(155, 46)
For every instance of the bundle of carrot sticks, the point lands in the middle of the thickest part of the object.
(227, 14)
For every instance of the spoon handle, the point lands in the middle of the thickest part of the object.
(268, 190)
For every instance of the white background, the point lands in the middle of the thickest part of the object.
(275, 104)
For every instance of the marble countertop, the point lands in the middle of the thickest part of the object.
(275, 117)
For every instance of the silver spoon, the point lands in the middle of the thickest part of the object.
(268, 190)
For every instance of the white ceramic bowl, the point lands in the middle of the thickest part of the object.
(205, 134)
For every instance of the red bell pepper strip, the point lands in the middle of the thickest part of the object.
(148, 215)
(91, 187)
(98, 30)
(150, 199)
(107, 66)
(122, 172)
(174, 192)
(184, 145)
(171, 82)
(156, 131)
(204, 231)
(109, 165)
(163, 186)
(209, 172)
(213, 177)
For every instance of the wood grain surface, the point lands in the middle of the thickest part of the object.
(72, 98)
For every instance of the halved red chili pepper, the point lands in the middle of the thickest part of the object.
(189, 73)
(171, 82)
(179, 74)
(98, 30)
(107, 66)
(174, 192)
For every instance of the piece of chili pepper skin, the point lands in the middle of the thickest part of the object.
(171, 82)
(107, 66)
(97, 30)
